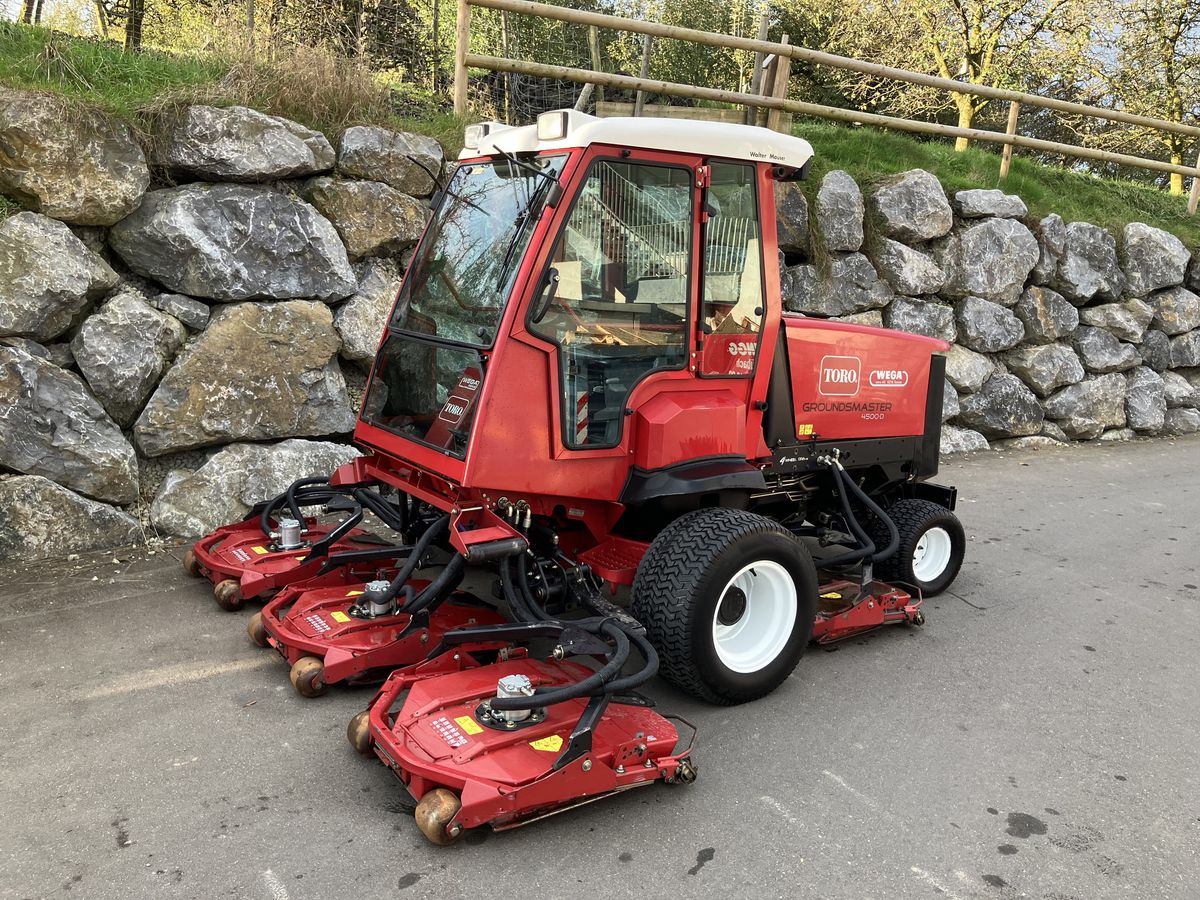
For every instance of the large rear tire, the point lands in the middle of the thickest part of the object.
(931, 550)
(728, 599)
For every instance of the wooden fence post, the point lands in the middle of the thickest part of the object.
(783, 72)
(594, 47)
(1006, 154)
(1194, 199)
(639, 100)
(751, 117)
(462, 45)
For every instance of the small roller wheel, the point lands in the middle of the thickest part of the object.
(228, 594)
(190, 567)
(434, 814)
(257, 630)
(358, 732)
(308, 676)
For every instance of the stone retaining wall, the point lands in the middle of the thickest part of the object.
(185, 330)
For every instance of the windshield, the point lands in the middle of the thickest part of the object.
(459, 282)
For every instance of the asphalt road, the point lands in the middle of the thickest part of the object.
(1038, 738)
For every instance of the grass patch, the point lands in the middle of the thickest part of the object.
(870, 154)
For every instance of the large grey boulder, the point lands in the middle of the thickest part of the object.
(1182, 421)
(950, 402)
(979, 204)
(1155, 351)
(123, 349)
(1176, 310)
(1151, 259)
(236, 477)
(1185, 349)
(991, 259)
(1179, 392)
(408, 162)
(1101, 353)
(961, 440)
(840, 210)
(1145, 400)
(1084, 410)
(929, 318)
(966, 369)
(791, 217)
(1127, 321)
(259, 371)
(40, 519)
(361, 319)
(371, 217)
(849, 285)
(47, 276)
(238, 144)
(1003, 407)
(192, 313)
(1051, 233)
(54, 428)
(912, 207)
(910, 272)
(872, 318)
(68, 161)
(987, 327)
(1046, 315)
(1045, 367)
(234, 242)
(1088, 267)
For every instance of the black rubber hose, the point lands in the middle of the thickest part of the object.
(517, 603)
(866, 545)
(440, 588)
(384, 510)
(893, 532)
(648, 670)
(294, 487)
(307, 498)
(431, 534)
(532, 601)
(585, 688)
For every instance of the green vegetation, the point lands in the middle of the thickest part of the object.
(869, 154)
(330, 93)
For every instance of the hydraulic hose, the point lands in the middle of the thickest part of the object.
(893, 532)
(866, 545)
(294, 487)
(648, 670)
(434, 532)
(438, 589)
(584, 688)
(388, 514)
(518, 603)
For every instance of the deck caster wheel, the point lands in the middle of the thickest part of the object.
(358, 733)
(434, 814)
(190, 567)
(256, 630)
(308, 676)
(228, 594)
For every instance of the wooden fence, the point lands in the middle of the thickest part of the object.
(769, 92)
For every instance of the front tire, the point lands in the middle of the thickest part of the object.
(931, 550)
(728, 599)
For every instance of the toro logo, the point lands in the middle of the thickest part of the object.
(839, 376)
(888, 378)
(454, 409)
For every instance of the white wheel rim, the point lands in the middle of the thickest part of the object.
(759, 635)
(932, 554)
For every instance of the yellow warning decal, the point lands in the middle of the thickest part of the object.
(261, 551)
(338, 616)
(832, 595)
(804, 429)
(552, 744)
(354, 594)
(469, 725)
(301, 558)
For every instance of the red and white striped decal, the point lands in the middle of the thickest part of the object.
(581, 417)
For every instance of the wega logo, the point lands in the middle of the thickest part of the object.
(888, 378)
(839, 376)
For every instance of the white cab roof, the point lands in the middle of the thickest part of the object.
(718, 139)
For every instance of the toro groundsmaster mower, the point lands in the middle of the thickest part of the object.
(590, 389)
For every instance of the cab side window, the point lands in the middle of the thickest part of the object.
(732, 308)
(615, 298)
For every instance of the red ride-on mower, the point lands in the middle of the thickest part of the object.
(257, 556)
(589, 375)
